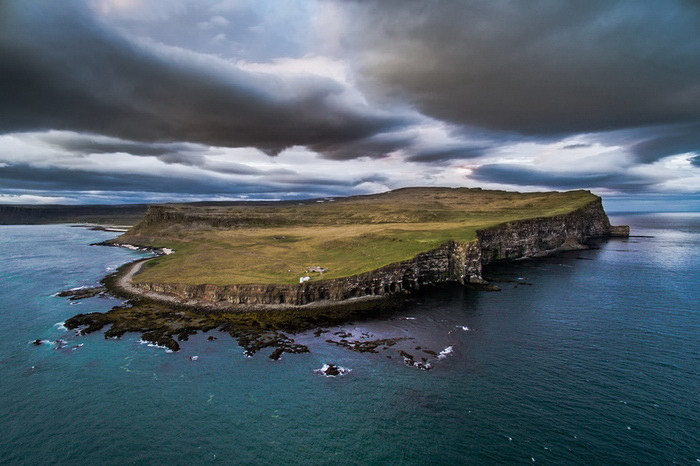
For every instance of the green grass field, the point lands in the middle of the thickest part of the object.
(276, 243)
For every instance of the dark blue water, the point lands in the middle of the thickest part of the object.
(597, 360)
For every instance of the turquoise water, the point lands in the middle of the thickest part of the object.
(597, 360)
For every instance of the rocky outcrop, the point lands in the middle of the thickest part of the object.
(621, 231)
(454, 261)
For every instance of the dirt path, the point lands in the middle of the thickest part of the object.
(124, 283)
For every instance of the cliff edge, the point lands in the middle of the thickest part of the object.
(452, 260)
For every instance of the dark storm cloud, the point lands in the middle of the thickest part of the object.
(658, 143)
(89, 144)
(61, 69)
(580, 145)
(375, 146)
(537, 67)
(25, 177)
(318, 181)
(447, 154)
(193, 155)
(522, 175)
(61, 179)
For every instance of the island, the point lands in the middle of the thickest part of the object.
(336, 249)
(255, 268)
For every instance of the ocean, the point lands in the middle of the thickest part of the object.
(589, 357)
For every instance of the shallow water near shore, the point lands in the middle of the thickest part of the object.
(586, 357)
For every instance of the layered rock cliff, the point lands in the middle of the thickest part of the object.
(454, 261)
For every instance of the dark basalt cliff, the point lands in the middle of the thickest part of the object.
(454, 261)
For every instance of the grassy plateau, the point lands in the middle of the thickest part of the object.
(276, 242)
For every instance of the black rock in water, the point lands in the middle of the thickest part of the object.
(82, 293)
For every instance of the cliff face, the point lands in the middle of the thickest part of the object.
(540, 236)
(454, 261)
(451, 261)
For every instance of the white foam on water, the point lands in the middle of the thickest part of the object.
(322, 371)
(426, 366)
(446, 352)
(463, 327)
(153, 345)
(194, 358)
(43, 342)
(60, 326)
(408, 318)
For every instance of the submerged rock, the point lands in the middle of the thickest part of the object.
(331, 370)
(369, 346)
(409, 360)
(81, 293)
(160, 338)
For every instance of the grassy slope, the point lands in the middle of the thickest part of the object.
(275, 244)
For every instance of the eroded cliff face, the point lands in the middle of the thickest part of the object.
(540, 236)
(454, 261)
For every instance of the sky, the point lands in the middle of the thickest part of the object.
(122, 101)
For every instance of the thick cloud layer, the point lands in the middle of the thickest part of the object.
(520, 175)
(197, 99)
(64, 70)
(28, 177)
(538, 67)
